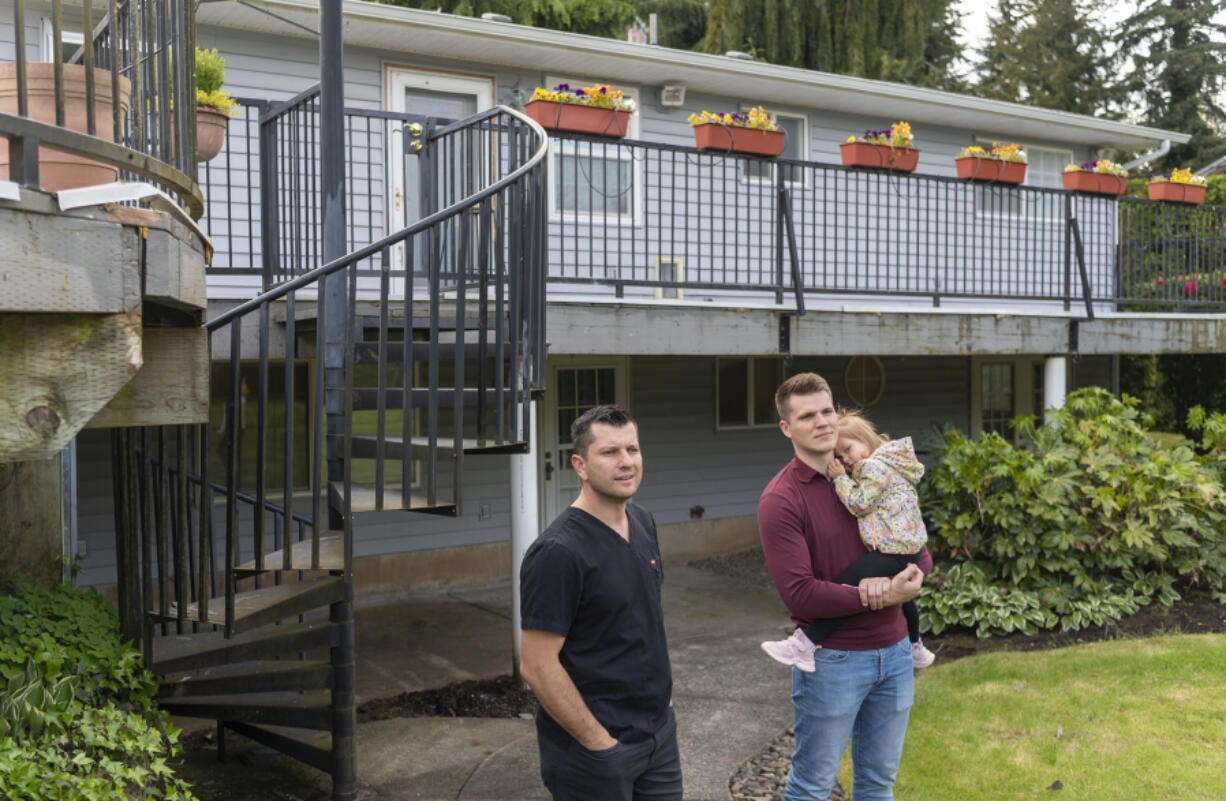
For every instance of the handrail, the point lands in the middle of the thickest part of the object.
(424, 223)
(93, 147)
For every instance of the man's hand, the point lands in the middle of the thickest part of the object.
(835, 469)
(878, 593)
(541, 668)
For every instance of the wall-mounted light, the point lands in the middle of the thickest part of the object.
(672, 95)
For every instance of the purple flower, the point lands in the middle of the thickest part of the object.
(604, 90)
(579, 93)
(1087, 165)
(562, 87)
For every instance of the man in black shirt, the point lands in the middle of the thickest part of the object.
(593, 631)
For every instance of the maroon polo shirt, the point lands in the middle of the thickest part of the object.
(809, 538)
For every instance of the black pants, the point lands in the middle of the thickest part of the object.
(647, 770)
(873, 564)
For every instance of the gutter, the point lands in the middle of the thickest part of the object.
(1146, 158)
(1212, 167)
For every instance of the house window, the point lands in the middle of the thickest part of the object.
(996, 388)
(669, 271)
(1044, 168)
(865, 380)
(594, 181)
(795, 129)
(70, 41)
(745, 391)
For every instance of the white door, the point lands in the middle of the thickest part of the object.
(428, 94)
(575, 385)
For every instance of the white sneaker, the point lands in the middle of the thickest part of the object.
(791, 652)
(921, 657)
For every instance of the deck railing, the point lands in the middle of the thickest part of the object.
(124, 68)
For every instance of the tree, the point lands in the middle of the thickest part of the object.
(1049, 53)
(911, 41)
(608, 18)
(1179, 69)
(682, 23)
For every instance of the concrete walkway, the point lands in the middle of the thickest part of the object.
(731, 700)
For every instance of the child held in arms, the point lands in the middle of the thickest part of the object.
(875, 478)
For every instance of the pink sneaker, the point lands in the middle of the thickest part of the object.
(795, 650)
(921, 657)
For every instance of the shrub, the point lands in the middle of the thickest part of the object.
(78, 719)
(210, 76)
(1090, 517)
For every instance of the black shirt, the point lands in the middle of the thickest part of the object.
(580, 579)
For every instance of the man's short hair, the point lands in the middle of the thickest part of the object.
(581, 430)
(799, 384)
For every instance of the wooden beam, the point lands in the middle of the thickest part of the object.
(31, 522)
(172, 388)
(58, 371)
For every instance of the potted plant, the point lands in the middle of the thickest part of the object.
(1181, 187)
(57, 170)
(893, 149)
(750, 132)
(1003, 163)
(598, 110)
(1100, 177)
(212, 104)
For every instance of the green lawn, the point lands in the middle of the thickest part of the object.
(1130, 720)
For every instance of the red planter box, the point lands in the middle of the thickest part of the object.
(973, 168)
(864, 154)
(1096, 183)
(1176, 193)
(578, 118)
(714, 136)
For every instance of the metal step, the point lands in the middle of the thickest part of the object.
(261, 677)
(365, 446)
(368, 352)
(363, 500)
(267, 605)
(367, 398)
(300, 710)
(331, 557)
(175, 654)
(311, 747)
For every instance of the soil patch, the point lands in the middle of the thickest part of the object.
(502, 697)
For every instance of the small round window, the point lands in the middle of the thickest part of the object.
(865, 380)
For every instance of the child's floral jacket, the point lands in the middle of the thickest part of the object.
(881, 492)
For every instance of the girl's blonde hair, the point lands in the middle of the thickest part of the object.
(856, 426)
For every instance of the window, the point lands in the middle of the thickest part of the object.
(795, 146)
(996, 393)
(745, 391)
(594, 181)
(865, 380)
(1044, 168)
(70, 41)
(669, 270)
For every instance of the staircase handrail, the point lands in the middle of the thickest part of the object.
(425, 222)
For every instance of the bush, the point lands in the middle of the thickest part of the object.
(1089, 518)
(210, 76)
(78, 718)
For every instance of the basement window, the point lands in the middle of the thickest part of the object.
(745, 391)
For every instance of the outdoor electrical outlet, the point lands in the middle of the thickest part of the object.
(484, 513)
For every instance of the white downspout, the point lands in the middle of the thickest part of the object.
(1055, 382)
(1146, 158)
(525, 525)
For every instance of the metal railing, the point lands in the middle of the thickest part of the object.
(119, 99)
(481, 255)
(1171, 257)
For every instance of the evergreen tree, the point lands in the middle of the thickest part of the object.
(1179, 69)
(609, 18)
(681, 23)
(1049, 53)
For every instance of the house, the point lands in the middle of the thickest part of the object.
(484, 283)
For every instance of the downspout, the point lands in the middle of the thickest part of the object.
(1146, 158)
(1212, 167)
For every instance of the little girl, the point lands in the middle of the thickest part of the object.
(880, 492)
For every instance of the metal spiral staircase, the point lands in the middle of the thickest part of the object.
(359, 386)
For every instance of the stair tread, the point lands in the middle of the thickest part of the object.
(331, 556)
(203, 649)
(314, 699)
(363, 500)
(471, 445)
(237, 680)
(262, 667)
(253, 602)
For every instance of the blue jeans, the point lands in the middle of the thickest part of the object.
(864, 695)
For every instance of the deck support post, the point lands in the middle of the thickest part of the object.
(525, 525)
(1055, 382)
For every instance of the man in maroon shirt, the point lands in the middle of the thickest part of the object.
(861, 687)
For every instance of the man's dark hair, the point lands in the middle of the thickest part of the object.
(581, 430)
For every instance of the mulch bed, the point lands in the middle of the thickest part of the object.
(490, 698)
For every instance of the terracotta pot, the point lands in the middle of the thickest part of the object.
(211, 127)
(591, 120)
(864, 154)
(58, 170)
(715, 136)
(974, 168)
(1176, 193)
(1095, 183)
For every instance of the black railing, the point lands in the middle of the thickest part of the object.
(120, 99)
(1172, 257)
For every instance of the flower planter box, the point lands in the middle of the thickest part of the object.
(864, 154)
(578, 118)
(1176, 193)
(973, 168)
(738, 139)
(58, 170)
(1095, 183)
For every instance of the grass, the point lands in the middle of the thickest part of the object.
(1127, 720)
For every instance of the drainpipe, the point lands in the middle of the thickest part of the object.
(1055, 382)
(525, 526)
(1212, 167)
(1146, 158)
